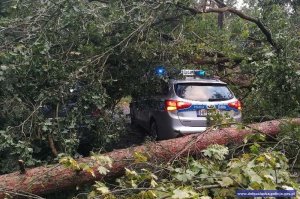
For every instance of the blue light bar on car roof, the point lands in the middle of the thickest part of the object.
(160, 70)
(198, 73)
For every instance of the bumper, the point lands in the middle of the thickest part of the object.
(170, 126)
(188, 129)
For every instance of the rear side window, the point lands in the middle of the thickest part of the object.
(203, 92)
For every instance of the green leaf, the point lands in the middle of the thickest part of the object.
(205, 197)
(102, 189)
(153, 183)
(255, 148)
(130, 173)
(226, 181)
(254, 177)
(180, 194)
(102, 170)
(148, 194)
(183, 177)
(139, 157)
(216, 151)
(255, 185)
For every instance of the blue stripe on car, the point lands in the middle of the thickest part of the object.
(218, 106)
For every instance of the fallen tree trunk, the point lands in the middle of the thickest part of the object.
(44, 179)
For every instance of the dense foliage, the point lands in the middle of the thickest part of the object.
(217, 172)
(65, 65)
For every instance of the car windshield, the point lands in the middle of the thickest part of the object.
(203, 92)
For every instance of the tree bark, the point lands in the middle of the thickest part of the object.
(52, 146)
(221, 16)
(46, 179)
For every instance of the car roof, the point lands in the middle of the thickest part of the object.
(198, 80)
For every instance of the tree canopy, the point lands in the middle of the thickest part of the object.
(48, 48)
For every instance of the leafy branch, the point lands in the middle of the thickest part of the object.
(224, 8)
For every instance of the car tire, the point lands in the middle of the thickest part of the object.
(154, 130)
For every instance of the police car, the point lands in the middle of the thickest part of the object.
(182, 105)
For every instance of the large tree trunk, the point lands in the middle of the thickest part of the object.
(44, 179)
(221, 16)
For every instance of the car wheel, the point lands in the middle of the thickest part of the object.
(154, 130)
